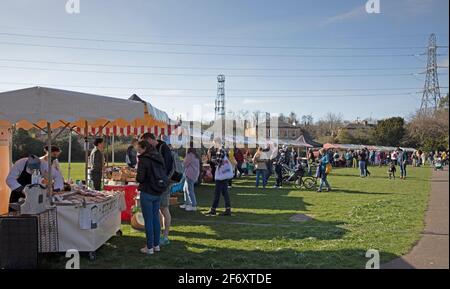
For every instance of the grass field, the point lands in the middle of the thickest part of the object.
(359, 214)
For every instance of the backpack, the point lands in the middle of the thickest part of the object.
(157, 176)
(172, 171)
(177, 167)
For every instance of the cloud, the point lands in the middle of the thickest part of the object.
(355, 13)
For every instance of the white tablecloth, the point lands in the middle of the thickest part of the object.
(87, 228)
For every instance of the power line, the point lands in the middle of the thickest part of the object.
(209, 53)
(209, 75)
(212, 45)
(211, 68)
(212, 89)
(221, 37)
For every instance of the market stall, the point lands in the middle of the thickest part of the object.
(48, 109)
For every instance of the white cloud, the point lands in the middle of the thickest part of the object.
(349, 15)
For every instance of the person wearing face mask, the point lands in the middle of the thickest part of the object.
(20, 176)
(55, 152)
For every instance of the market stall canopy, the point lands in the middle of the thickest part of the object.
(152, 111)
(39, 105)
(369, 147)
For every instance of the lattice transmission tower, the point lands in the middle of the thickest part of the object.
(431, 91)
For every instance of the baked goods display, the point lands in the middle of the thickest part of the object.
(80, 195)
(121, 174)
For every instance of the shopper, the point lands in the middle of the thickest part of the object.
(131, 156)
(149, 159)
(97, 161)
(259, 160)
(278, 171)
(191, 172)
(324, 161)
(211, 158)
(402, 160)
(362, 157)
(239, 157)
(224, 171)
(166, 154)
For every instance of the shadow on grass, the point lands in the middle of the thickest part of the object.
(228, 229)
(181, 254)
(358, 192)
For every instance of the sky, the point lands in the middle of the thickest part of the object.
(310, 57)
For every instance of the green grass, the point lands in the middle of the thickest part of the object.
(359, 214)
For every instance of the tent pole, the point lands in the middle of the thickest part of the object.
(86, 147)
(69, 157)
(49, 160)
(112, 150)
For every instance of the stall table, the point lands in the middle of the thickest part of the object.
(86, 227)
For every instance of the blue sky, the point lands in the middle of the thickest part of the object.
(41, 44)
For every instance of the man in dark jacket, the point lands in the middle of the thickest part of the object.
(166, 153)
(131, 157)
(97, 161)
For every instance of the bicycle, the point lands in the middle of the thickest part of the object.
(297, 178)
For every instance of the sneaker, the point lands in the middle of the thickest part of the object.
(164, 241)
(211, 213)
(276, 187)
(190, 208)
(230, 187)
(226, 213)
(183, 206)
(147, 251)
(157, 249)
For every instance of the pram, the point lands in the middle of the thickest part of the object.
(177, 187)
(438, 165)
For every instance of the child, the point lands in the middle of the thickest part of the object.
(392, 169)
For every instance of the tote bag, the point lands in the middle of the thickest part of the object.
(225, 171)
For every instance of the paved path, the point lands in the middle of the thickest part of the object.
(432, 251)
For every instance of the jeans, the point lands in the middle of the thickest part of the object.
(279, 172)
(324, 181)
(189, 194)
(261, 174)
(221, 189)
(150, 211)
(402, 170)
(362, 168)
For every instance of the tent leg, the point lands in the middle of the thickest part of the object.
(112, 150)
(49, 168)
(86, 147)
(69, 157)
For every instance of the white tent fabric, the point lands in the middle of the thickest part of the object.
(157, 114)
(41, 103)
